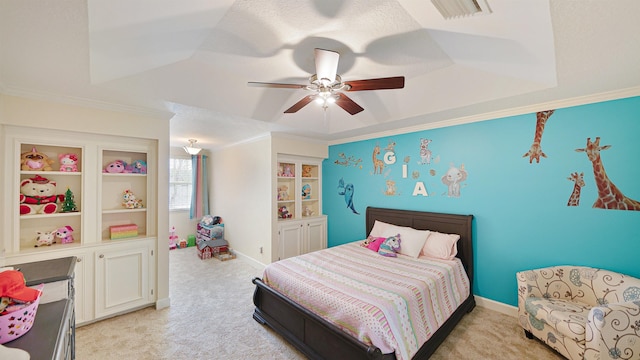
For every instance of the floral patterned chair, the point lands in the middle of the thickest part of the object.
(581, 312)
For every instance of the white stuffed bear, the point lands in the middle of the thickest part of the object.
(38, 196)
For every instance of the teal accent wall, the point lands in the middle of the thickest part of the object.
(521, 217)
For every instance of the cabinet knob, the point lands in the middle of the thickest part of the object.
(79, 260)
(101, 256)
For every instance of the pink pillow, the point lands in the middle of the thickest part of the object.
(441, 246)
(374, 243)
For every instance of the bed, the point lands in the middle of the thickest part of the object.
(318, 338)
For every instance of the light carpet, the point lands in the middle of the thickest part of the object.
(210, 317)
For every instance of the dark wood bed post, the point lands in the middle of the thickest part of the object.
(319, 339)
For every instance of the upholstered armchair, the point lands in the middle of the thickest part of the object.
(581, 312)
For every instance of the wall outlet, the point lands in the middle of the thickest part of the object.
(260, 249)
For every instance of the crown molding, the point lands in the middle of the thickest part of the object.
(556, 104)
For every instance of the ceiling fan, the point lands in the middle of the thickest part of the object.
(327, 87)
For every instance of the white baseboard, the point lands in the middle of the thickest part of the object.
(497, 306)
(163, 303)
(249, 260)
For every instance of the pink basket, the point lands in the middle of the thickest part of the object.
(19, 322)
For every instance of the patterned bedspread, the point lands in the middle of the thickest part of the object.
(395, 304)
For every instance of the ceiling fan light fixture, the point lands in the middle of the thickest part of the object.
(326, 65)
(191, 149)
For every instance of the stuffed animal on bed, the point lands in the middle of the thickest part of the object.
(390, 246)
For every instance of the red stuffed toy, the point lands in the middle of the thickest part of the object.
(38, 196)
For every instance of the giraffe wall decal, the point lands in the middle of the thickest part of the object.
(609, 196)
(536, 151)
(378, 164)
(578, 179)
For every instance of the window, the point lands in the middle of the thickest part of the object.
(179, 183)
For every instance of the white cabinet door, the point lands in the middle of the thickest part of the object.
(290, 239)
(80, 278)
(122, 278)
(315, 235)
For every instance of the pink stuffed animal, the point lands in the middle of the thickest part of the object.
(65, 234)
(68, 162)
(115, 167)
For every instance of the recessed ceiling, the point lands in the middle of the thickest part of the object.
(193, 58)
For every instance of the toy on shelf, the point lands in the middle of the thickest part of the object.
(68, 162)
(65, 234)
(45, 238)
(123, 231)
(69, 203)
(306, 211)
(283, 193)
(287, 171)
(116, 167)
(34, 160)
(283, 213)
(182, 244)
(137, 167)
(306, 170)
(173, 238)
(306, 191)
(129, 200)
(38, 196)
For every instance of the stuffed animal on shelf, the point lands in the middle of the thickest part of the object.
(283, 193)
(283, 213)
(306, 170)
(116, 167)
(35, 160)
(45, 238)
(130, 201)
(288, 171)
(65, 234)
(306, 211)
(38, 196)
(306, 191)
(138, 167)
(68, 162)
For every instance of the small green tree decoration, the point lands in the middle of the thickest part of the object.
(69, 204)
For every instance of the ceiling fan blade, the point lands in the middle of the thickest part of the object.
(396, 82)
(349, 105)
(300, 104)
(276, 85)
(326, 64)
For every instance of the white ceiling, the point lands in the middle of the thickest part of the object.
(193, 58)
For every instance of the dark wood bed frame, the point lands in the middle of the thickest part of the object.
(319, 339)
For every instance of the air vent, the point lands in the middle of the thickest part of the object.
(459, 8)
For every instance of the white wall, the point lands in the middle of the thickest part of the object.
(241, 195)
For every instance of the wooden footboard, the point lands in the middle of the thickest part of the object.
(319, 339)
(309, 333)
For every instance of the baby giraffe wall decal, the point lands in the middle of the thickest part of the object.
(609, 196)
(536, 151)
(574, 199)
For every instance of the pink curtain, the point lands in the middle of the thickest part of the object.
(200, 189)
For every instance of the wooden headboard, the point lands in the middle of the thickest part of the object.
(444, 223)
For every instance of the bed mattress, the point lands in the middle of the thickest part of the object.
(395, 304)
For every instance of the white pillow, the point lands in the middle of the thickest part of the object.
(441, 246)
(411, 240)
(378, 228)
